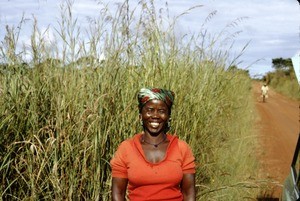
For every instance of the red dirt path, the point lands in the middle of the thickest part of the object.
(278, 126)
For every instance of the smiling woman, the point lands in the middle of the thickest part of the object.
(143, 162)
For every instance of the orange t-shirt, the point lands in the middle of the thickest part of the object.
(148, 181)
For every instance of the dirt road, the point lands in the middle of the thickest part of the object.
(278, 126)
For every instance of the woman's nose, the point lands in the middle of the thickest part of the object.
(155, 114)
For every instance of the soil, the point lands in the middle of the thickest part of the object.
(278, 127)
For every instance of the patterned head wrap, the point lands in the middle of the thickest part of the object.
(147, 94)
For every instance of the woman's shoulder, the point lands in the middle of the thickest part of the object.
(183, 147)
(130, 141)
(183, 144)
(175, 137)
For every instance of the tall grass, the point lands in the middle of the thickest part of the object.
(285, 82)
(64, 113)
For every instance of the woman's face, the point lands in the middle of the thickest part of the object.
(155, 115)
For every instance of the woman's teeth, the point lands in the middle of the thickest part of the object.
(154, 124)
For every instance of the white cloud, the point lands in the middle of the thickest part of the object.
(272, 26)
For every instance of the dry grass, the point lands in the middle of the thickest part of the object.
(64, 113)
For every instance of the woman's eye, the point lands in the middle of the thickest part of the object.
(149, 110)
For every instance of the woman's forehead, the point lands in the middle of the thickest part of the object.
(156, 102)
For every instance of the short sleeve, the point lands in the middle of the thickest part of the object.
(118, 162)
(188, 164)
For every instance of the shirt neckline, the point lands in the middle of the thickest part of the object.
(138, 145)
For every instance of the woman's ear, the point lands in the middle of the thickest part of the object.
(141, 120)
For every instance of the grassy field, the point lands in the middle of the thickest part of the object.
(285, 83)
(63, 113)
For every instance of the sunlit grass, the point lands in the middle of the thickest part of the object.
(64, 113)
(285, 83)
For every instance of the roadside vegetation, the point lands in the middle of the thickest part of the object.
(63, 112)
(283, 79)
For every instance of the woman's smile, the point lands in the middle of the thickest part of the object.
(154, 124)
(155, 115)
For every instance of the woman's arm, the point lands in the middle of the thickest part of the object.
(188, 187)
(119, 186)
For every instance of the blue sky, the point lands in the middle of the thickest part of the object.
(271, 26)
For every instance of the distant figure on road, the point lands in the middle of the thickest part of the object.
(264, 92)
